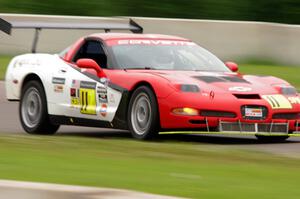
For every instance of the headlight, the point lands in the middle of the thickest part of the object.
(285, 89)
(188, 88)
(185, 111)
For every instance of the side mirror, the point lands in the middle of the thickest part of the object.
(90, 64)
(232, 66)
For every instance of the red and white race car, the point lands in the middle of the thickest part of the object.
(147, 83)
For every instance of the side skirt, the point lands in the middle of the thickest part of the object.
(66, 120)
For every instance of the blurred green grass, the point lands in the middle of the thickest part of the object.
(4, 60)
(194, 170)
(288, 73)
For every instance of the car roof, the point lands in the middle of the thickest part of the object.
(117, 36)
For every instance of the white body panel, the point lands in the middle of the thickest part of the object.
(94, 99)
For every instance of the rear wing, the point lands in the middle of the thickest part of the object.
(6, 27)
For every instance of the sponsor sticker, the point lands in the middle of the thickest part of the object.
(102, 94)
(58, 88)
(58, 80)
(86, 84)
(74, 93)
(102, 98)
(75, 83)
(29, 62)
(278, 101)
(75, 102)
(101, 89)
(103, 110)
(253, 112)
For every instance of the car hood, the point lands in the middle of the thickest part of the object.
(222, 82)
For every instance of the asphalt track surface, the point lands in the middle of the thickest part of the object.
(10, 124)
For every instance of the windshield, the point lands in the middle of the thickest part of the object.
(165, 55)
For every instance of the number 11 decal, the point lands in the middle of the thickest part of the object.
(87, 96)
(88, 101)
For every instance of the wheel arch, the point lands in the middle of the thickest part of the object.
(142, 83)
(149, 85)
(30, 77)
(120, 119)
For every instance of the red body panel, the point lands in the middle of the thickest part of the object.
(163, 83)
(213, 96)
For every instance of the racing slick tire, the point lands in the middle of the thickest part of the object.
(33, 111)
(271, 138)
(143, 115)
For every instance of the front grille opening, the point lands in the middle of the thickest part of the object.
(247, 96)
(208, 113)
(286, 116)
(197, 121)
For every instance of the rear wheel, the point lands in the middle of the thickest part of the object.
(271, 138)
(143, 117)
(33, 110)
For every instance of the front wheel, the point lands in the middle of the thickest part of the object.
(143, 116)
(33, 110)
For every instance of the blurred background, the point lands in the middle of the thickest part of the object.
(244, 31)
(282, 11)
(261, 36)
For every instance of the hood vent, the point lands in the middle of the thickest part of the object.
(235, 79)
(247, 96)
(212, 79)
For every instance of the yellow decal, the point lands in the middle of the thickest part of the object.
(75, 101)
(294, 100)
(88, 101)
(278, 101)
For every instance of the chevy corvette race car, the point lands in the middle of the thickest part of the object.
(147, 83)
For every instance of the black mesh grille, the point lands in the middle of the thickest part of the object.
(197, 121)
(208, 113)
(287, 116)
(254, 127)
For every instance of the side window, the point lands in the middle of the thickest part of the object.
(92, 50)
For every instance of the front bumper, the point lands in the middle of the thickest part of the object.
(226, 109)
(246, 129)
